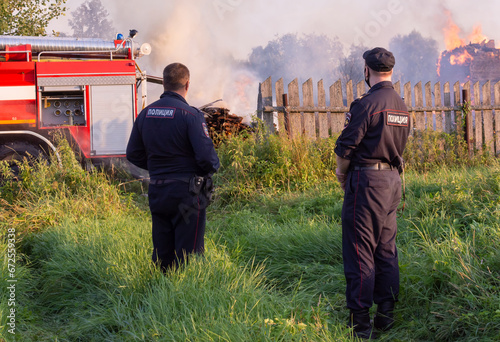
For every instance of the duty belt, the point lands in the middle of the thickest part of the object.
(378, 166)
(168, 181)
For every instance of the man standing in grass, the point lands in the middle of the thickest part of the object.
(369, 157)
(170, 139)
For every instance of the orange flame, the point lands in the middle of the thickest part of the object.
(452, 34)
(460, 58)
(477, 36)
(453, 41)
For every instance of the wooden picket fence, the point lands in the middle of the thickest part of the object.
(469, 109)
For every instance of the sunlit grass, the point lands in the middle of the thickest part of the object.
(273, 267)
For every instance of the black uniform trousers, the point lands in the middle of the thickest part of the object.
(178, 223)
(368, 237)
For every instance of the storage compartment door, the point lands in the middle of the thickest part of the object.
(112, 111)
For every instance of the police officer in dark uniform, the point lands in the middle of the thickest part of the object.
(170, 139)
(369, 160)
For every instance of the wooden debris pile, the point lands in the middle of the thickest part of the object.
(220, 121)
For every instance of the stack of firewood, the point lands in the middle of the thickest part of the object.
(220, 121)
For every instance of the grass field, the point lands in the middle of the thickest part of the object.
(273, 267)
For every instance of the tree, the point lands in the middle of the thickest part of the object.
(28, 17)
(416, 58)
(352, 66)
(90, 21)
(290, 56)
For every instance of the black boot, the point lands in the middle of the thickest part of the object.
(384, 319)
(360, 321)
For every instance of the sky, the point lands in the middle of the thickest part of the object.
(208, 35)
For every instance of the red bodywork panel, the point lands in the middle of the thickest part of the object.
(85, 68)
(17, 73)
(23, 55)
(17, 93)
(20, 98)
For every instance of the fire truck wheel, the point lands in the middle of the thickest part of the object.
(16, 151)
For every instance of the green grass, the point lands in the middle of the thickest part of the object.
(273, 267)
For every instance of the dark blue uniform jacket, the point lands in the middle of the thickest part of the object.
(170, 139)
(376, 129)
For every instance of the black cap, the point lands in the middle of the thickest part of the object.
(379, 59)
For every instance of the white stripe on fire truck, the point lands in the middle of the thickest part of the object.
(88, 74)
(17, 93)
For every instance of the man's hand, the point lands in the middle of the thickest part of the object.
(342, 178)
(341, 171)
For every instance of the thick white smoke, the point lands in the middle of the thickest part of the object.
(210, 35)
(191, 32)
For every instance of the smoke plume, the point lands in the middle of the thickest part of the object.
(216, 38)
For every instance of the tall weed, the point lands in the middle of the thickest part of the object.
(93, 281)
(428, 149)
(250, 164)
(43, 193)
(450, 239)
(273, 267)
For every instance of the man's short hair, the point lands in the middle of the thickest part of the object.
(381, 73)
(175, 77)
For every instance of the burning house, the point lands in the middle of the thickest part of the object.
(473, 59)
(473, 62)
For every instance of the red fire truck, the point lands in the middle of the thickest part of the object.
(86, 87)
